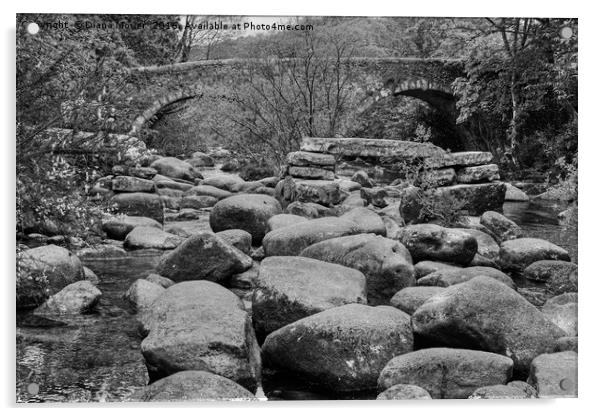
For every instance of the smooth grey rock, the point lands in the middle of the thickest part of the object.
(519, 253)
(76, 298)
(151, 237)
(248, 212)
(291, 288)
(203, 256)
(292, 240)
(485, 314)
(142, 293)
(341, 349)
(200, 326)
(557, 276)
(387, 264)
(173, 168)
(446, 373)
(433, 242)
(446, 278)
(502, 227)
(139, 204)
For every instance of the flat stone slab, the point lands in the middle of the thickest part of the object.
(460, 159)
(310, 172)
(323, 160)
(359, 147)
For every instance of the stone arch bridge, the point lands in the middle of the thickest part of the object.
(159, 87)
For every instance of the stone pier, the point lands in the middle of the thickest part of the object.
(311, 172)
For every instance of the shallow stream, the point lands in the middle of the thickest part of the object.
(97, 357)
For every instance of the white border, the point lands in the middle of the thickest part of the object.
(590, 24)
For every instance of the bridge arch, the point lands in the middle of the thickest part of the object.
(171, 98)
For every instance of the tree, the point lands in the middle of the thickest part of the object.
(521, 77)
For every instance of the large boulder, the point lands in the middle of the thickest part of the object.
(557, 276)
(142, 293)
(118, 227)
(200, 326)
(151, 237)
(132, 184)
(446, 373)
(203, 256)
(387, 264)
(43, 271)
(174, 168)
(366, 220)
(555, 375)
(76, 298)
(342, 349)
(445, 278)
(249, 212)
(291, 288)
(411, 298)
(139, 204)
(487, 315)
(194, 386)
(433, 242)
(292, 240)
(519, 253)
(502, 227)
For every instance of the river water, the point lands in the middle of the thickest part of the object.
(96, 357)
